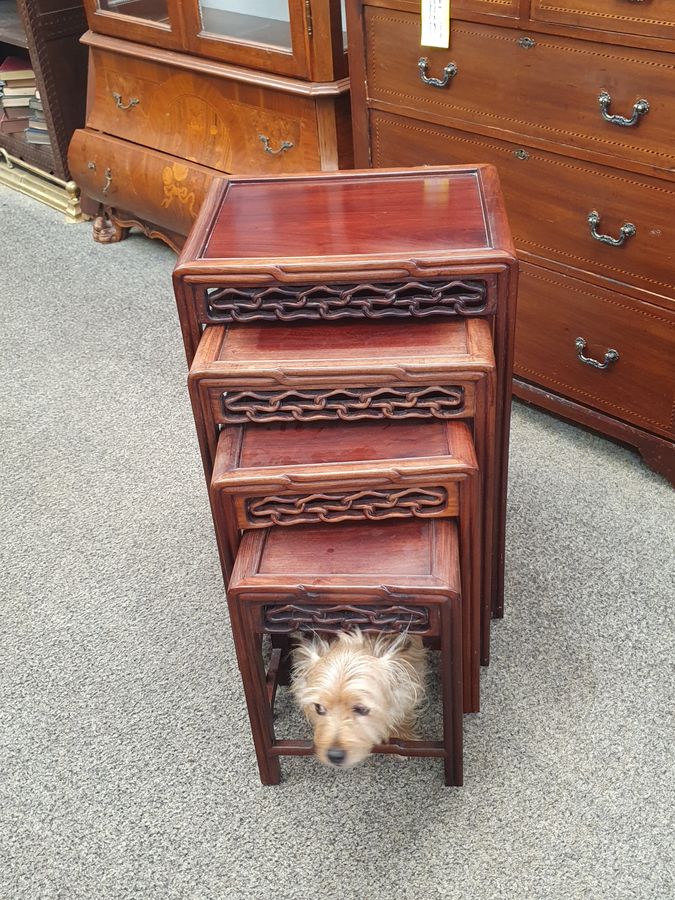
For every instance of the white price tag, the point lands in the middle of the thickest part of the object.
(435, 23)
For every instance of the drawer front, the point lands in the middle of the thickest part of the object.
(507, 9)
(555, 310)
(227, 125)
(653, 19)
(153, 186)
(497, 9)
(549, 90)
(554, 224)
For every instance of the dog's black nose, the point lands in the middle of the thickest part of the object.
(336, 756)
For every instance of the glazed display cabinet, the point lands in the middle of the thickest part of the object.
(181, 92)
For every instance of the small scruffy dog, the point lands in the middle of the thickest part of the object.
(358, 690)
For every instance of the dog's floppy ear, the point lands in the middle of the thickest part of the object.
(309, 650)
(306, 653)
(386, 645)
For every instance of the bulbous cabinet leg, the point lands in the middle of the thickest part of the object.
(106, 230)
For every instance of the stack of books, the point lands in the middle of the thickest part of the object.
(17, 87)
(36, 133)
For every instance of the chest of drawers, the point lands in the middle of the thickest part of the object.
(574, 103)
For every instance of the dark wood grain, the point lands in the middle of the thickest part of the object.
(628, 27)
(153, 86)
(535, 141)
(654, 19)
(424, 574)
(350, 216)
(494, 260)
(441, 221)
(164, 190)
(310, 445)
(559, 232)
(639, 388)
(226, 117)
(272, 360)
(482, 100)
(357, 476)
(156, 30)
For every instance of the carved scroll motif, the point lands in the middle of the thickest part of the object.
(348, 404)
(341, 301)
(343, 616)
(335, 507)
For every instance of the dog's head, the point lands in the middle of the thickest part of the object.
(356, 691)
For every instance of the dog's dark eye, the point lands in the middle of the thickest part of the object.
(320, 710)
(360, 710)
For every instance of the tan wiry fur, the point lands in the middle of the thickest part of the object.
(382, 674)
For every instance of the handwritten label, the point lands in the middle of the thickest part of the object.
(435, 23)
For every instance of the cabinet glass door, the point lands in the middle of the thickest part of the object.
(256, 21)
(154, 10)
(155, 22)
(273, 35)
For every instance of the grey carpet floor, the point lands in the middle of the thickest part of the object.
(126, 765)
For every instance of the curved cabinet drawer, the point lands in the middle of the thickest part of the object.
(653, 19)
(152, 185)
(555, 310)
(228, 125)
(509, 83)
(552, 222)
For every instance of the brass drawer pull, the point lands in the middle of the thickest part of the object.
(107, 175)
(448, 72)
(133, 101)
(640, 108)
(107, 182)
(627, 231)
(611, 356)
(285, 145)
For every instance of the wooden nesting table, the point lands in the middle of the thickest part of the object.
(426, 245)
(350, 340)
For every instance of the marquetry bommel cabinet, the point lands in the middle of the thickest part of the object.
(573, 101)
(181, 91)
(350, 339)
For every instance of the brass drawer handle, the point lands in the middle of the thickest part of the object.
(640, 108)
(107, 175)
(285, 145)
(627, 231)
(107, 182)
(448, 72)
(611, 356)
(133, 101)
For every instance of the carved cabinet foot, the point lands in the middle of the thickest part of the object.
(106, 231)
